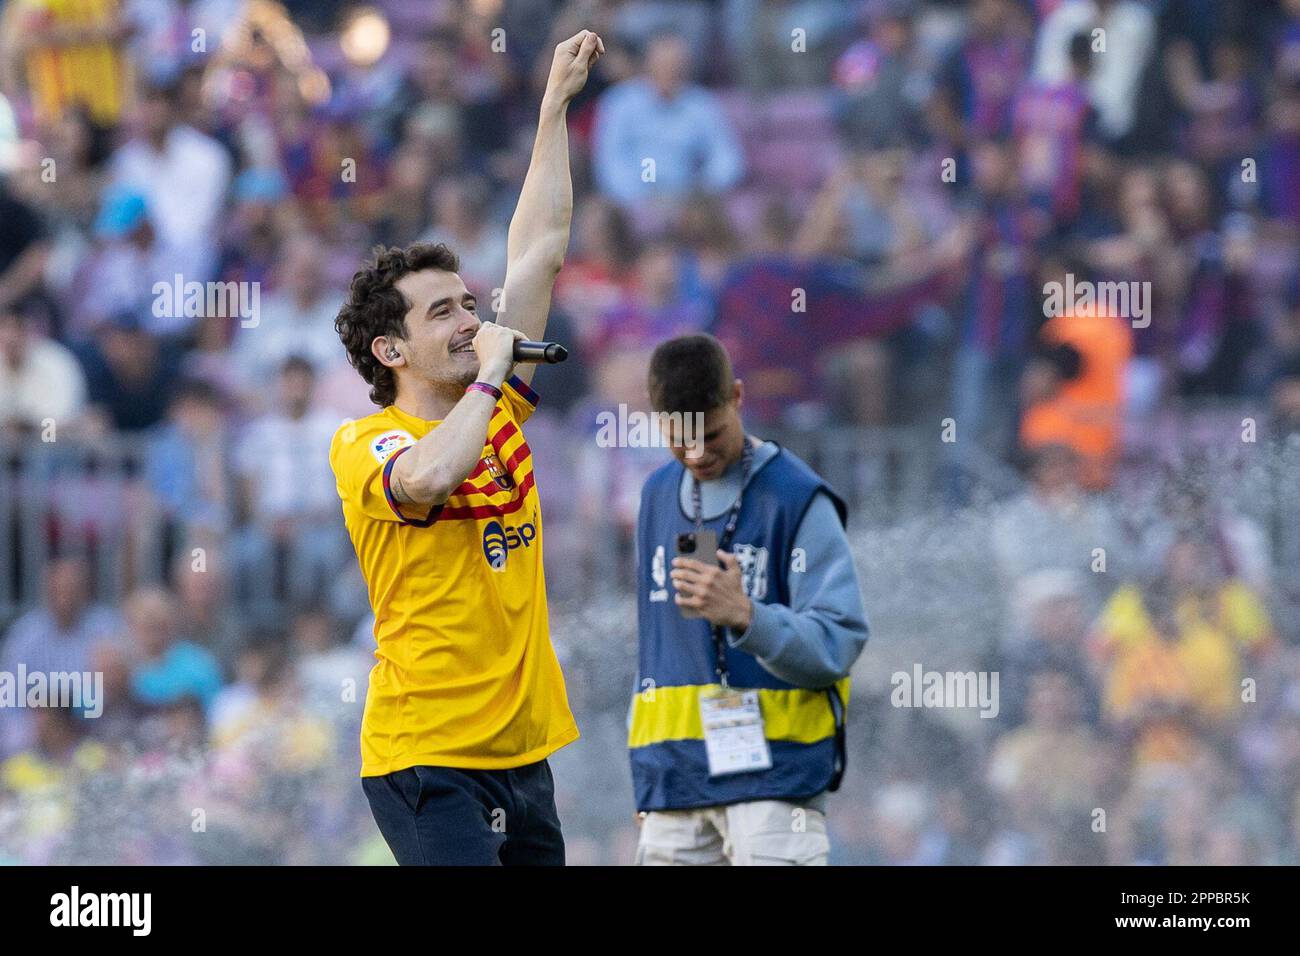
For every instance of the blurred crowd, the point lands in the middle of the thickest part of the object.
(866, 201)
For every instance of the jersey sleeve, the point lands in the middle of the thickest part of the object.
(362, 456)
(518, 398)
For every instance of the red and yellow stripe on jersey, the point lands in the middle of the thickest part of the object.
(91, 72)
(465, 674)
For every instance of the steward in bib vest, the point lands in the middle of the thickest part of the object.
(750, 617)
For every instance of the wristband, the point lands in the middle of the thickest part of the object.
(485, 388)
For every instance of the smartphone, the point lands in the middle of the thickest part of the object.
(700, 545)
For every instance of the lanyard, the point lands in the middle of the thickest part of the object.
(728, 531)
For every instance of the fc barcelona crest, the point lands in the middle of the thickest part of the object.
(498, 472)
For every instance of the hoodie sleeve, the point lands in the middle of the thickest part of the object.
(813, 642)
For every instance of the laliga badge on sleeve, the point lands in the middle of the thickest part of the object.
(383, 446)
(733, 732)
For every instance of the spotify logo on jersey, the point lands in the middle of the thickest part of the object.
(499, 541)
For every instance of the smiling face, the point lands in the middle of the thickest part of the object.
(440, 325)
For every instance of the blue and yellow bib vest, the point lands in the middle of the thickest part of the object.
(677, 658)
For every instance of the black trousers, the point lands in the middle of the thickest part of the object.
(442, 816)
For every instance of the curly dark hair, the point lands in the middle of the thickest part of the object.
(376, 307)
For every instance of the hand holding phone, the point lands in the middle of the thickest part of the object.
(701, 545)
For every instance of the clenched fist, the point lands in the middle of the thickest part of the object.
(573, 59)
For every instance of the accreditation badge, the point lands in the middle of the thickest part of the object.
(733, 732)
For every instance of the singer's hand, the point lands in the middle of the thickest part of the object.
(573, 58)
(495, 346)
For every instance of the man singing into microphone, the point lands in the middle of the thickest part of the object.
(466, 700)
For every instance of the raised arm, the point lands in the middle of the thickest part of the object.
(539, 231)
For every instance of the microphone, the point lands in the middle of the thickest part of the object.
(549, 352)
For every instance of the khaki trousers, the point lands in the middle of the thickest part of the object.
(760, 833)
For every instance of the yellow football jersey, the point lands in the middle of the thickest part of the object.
(94, 73)
(466, 675)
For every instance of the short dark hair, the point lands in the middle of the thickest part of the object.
(376, 307)
(691, 373)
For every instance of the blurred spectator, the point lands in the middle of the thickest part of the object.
(883, 80)
(46, 776)
(1174, 652)
(79, 148)
(1073, 388)
(1237, 546)
(209, 358)
(797, 378)
(40, 379)
(166, 669)
(1051, 766)
(403, 212)
(1139, 247)
(903, 836)
(867, 212)
(1222, 109)
(291, 546)
(296, 318)
(272, 728)
(1274, 483)
(1048, 630)
(331, 673)
(131, 374)
(208, 617)
(451, 103)
(24, 247)
(183, 175)
(1216, 325)
(708, 244)
(161, 36)
(460, 208)
(1055, 525)
(760, 35)
(58, 636)
(997, 305)
(986, 69)
(657, 308)
(68, 55)
(1124, 32)
(597, 273)
(1054, 125)
(235, 704)
(1280, 166)
(117, 275)
(657, 137)
(119, 722)
(189, 463)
